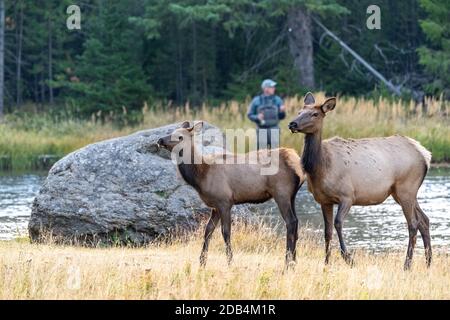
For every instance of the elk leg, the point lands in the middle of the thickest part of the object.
(291, 237)
(294, 225)
(343, 209)
(424, 228)
(290, 218)
(210, 227)
(408, 209)
(225, 218)
(413, 218)
(412, 230)
(327, 211)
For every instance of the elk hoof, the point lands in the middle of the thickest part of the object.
(290, 265)
(230, 259)
(202, 261)
(348, 258)
(428, 258)
(407, 265)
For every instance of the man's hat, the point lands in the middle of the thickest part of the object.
(268, 83)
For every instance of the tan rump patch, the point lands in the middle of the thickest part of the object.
(292, 160)
(422, 150)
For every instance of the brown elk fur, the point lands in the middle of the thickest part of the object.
(363, 172)
(223, 184)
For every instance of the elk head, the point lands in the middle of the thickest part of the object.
(310, 118)
(182, 134)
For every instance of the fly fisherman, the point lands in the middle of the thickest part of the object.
(266, 110)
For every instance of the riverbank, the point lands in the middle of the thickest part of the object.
(23, 140)
(387, 230)
(171, 271)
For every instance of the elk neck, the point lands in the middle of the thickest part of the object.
(193, 172)
(312, 156)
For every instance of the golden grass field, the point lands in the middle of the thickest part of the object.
(352, 118)
(172, 271)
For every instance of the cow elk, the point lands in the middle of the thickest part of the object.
(347, 172)
(222, 184)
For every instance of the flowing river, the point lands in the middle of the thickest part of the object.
(374, 227)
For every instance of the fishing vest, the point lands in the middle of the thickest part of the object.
(269, 109)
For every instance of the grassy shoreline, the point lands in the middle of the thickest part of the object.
(171, 271)
(22, 141)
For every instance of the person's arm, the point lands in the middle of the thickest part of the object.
(281, 109)
(252, 111)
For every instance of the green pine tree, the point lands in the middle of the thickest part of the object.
(435, 57)
(108, 78)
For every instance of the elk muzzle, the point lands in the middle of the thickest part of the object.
(293, 126)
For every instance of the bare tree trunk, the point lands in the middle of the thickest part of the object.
(50, 61)
(19, 59)
(194, 60)
(301, 45)
(36, 89)
(42, 83)
(205, 83)
(2, 54)
(389, 85)
(179, 77)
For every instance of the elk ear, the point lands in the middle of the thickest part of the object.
(198, 126)
(185, 125)
(309, 99)
(328, 105)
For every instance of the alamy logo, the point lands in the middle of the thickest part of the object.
(73, 22)
(229, 149)
(374, 20)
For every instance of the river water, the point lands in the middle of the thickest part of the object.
(374, 227)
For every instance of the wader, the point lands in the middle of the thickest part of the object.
(268, 132)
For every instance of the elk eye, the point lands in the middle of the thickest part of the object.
(315, 114)
(180, 138)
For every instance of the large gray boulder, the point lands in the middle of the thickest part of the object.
(123, 189)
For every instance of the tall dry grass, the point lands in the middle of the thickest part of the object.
(352, 117)
(171, 271)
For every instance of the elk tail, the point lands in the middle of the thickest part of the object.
(292, 160)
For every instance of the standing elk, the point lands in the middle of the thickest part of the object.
(221, 184)
(362, 172)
